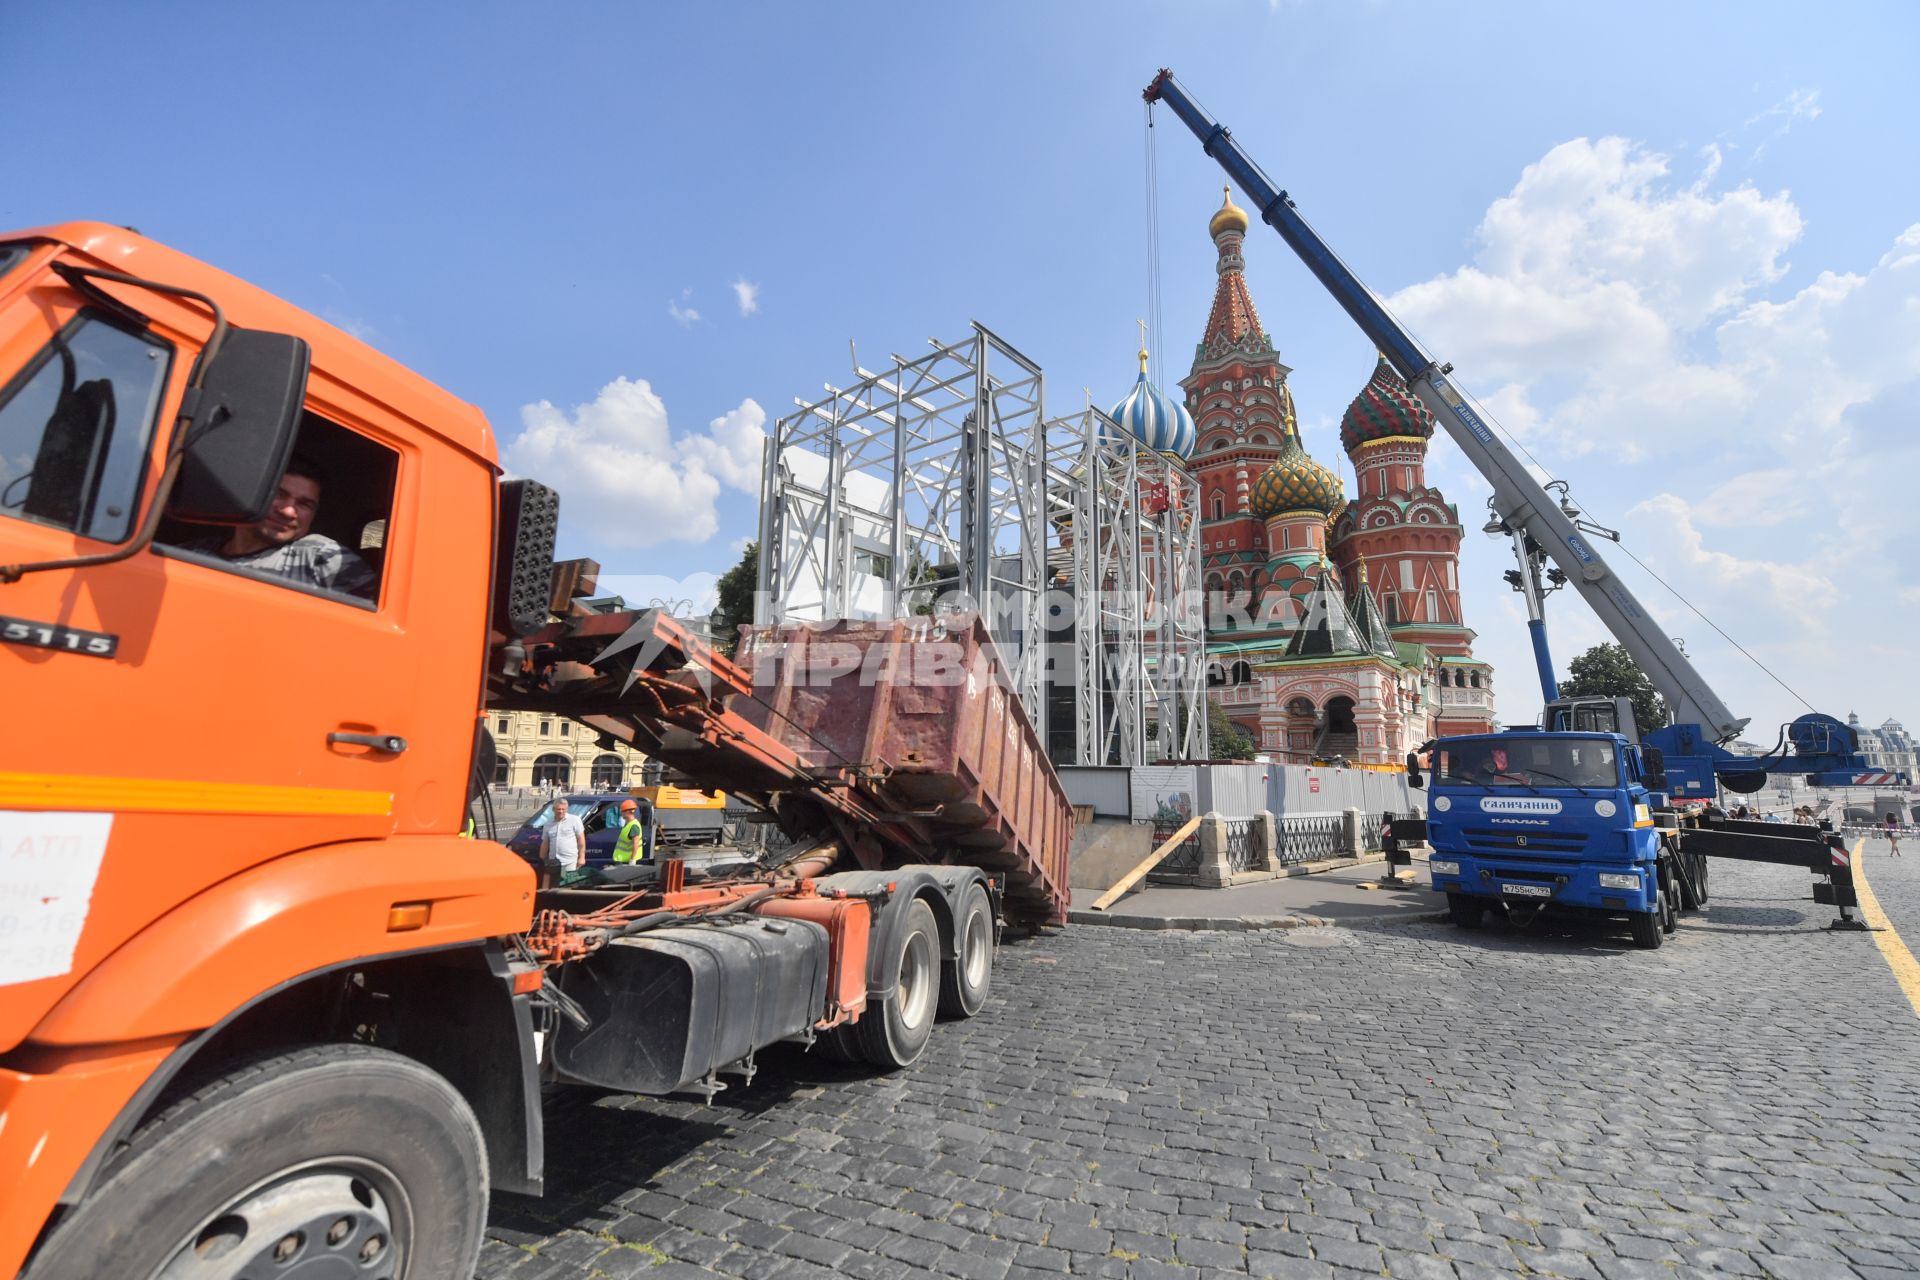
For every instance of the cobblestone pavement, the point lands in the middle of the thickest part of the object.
(1407, 1100)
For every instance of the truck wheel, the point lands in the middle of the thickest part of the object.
(965, 979)
(1466, 911)
(839, 1044)
(338, 1159)
(1700, 864)
(1647, 933)
(1669, 905)
(894, 1032)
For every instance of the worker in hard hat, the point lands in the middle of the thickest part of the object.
(632, 844)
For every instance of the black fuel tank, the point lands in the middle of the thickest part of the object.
(669, 1006)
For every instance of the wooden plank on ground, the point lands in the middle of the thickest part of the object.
(1147, 864)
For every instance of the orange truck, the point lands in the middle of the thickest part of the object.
(263, 1010)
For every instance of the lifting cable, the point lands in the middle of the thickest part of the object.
(1153, 245)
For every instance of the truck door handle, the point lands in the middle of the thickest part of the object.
(391, 743)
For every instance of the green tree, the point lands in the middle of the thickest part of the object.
(1608, 670)
(735, 610)
(1225, 739)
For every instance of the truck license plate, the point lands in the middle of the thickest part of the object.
(1527, 890)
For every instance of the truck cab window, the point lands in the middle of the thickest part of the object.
(327, 529)
(75, 427)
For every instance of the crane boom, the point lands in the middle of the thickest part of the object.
(1520, 500)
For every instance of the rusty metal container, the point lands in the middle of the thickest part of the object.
(920, 716)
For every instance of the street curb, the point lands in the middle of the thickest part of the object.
(1238, 924)
(1234, 924)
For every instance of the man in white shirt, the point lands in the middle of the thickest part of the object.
(564, 840)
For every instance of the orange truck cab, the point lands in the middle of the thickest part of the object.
(263, 1009)
(220, 782)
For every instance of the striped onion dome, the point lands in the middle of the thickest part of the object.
(1384, 409)
(1295, 482)
(1156, 419)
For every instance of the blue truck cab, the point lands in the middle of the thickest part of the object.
(1527, 818)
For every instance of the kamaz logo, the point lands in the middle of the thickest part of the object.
(1519, 804)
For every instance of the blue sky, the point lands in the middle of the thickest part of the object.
(1664, 242)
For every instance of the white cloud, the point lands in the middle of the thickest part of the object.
(731, 448)
(1634, 329)
(748, 295)
(1801, 104)
(685, 317)
(625, 480)
(1792, 595)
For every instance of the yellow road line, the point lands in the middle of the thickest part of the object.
(1906, 970)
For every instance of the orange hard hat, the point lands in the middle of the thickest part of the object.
(628, 804)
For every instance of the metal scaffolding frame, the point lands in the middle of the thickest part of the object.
(1139, 635)
(919, 486)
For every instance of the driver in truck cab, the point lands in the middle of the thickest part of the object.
(1493, 767)
(283, 543)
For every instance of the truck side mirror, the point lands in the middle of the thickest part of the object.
(1654, 768)
(242, 428)
(1414, 778)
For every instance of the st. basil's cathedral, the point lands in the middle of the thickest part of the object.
(1334, 629)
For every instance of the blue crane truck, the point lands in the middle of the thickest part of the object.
(1528, 818)
(1584, 811)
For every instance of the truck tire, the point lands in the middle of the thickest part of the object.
(1669, 906)
(840, 1044)
(964, 979)
(1465, 910)
(332, 1159)
(1647, 933)
(1686, 889)
(1700, 863)
(894, 1032)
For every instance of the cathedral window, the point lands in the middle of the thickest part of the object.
(1219, 507)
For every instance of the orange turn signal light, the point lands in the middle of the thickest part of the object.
(527, 981)
(403, 916)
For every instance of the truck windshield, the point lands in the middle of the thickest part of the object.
(11, 254)
(1529, 763)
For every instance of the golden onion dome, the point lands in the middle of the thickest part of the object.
(1231, 217)
(1295, 482)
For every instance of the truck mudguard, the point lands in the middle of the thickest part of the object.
(941, 886)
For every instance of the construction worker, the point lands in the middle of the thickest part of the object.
(632, 845)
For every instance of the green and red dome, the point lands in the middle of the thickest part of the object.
(1384, 409)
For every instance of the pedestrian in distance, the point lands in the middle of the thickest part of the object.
(632, 844)
(1893, 836)
(563, 840)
